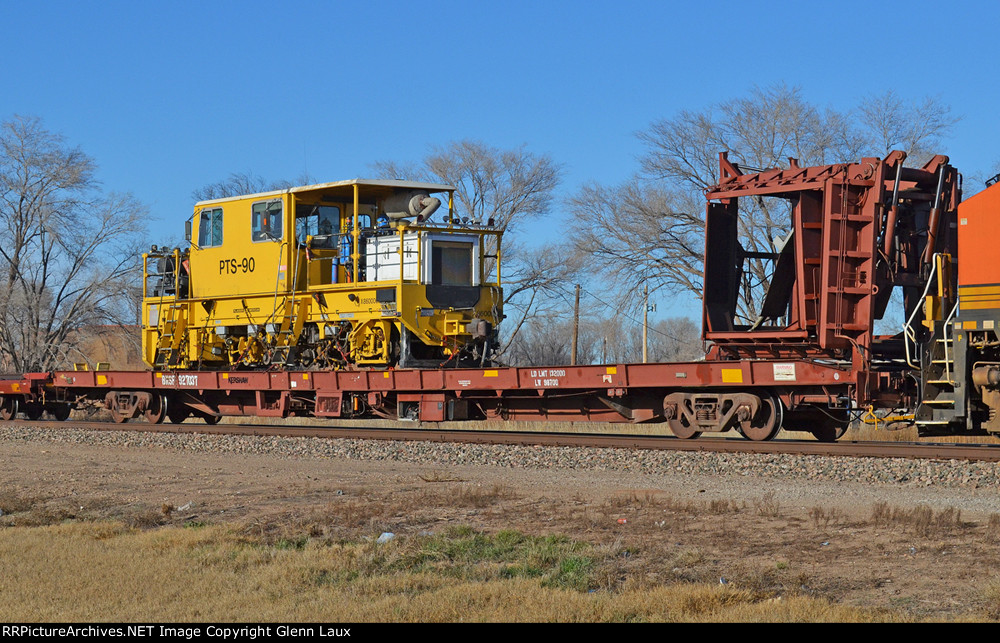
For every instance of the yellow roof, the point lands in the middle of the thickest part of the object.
(370, 188)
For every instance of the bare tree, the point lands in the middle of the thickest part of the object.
(69, 254)
(536, 283)
(614, 339)
(892, 123)
(542, 343)
(508, 187)
(675, 339)
(547, 341)
(241, 183)
(651, 227)
(640, 233)
(759, 131)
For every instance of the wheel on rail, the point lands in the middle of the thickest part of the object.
(826, 425)
(177, 413)
(210, 419)
(111, 404)
(33, 411)
(8, 408)
(60, 411)
(675, 409)
(767, 421)
(829, 433)
(157, 410)
(682, 429)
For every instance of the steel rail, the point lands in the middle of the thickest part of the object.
(910, 450)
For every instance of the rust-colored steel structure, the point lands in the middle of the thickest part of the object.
(856, 231)
(800, 262)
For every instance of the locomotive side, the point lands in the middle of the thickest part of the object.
(958, 354)
(333, 275)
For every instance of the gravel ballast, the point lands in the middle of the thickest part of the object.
(896, 472)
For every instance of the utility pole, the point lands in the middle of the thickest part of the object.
(576, 327)
(645, 323)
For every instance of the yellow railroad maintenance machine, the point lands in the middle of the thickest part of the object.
(325, 276)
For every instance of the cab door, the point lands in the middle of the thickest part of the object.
(240, 249)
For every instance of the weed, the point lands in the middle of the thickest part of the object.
(760, 580)
(921, 519)
(768, 506)
(572, 572)
(144, 519)
(949, 519)
(823, 517)
(723, 506)
(479, 497)
(223, 574)
(13, 502)
(991, 593)
(42, 516)
(296, 544)
(686, 558)
(881, 514)
(440, 476)
(993, 529)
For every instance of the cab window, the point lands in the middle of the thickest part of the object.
(266, 222)
(319, 221)
(210, 228)
(451, 263)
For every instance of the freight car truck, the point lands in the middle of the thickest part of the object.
(853, 239)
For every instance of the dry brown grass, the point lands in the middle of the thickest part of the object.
(64, 572)
(642, 555)
(482, 496)
(768, 505)
(823, 518)
(991, 595)
(869, 433)
(993, 529)
(921, 520)
(13, 501)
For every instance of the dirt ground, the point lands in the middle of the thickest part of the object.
(932, 553)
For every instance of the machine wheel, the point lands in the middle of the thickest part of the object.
(33, 411)
(117, 417)
(306, 357)
(210, 419)
(8, 408)
(767, 422)
(157, 410)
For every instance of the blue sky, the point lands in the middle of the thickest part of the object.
(170, 96)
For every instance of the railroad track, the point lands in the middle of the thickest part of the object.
(910, 450)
